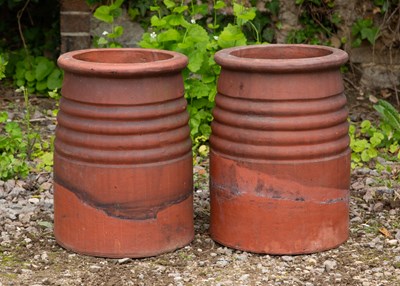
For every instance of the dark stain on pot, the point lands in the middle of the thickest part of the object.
(267, 191)
(335, 201)
(138, 210)
(260, 186)
(270, 192)
(225, 192)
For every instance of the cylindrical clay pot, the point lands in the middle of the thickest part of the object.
(280, 158)
(122, 160)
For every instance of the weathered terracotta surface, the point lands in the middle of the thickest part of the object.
(280, 158)
(122, 160)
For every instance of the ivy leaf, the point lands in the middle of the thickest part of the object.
(41, 85)
(169, 35)
(43, 69)
(360, 145)
(370, 34)
(243, 14)
(30, 76)
(157, 22)
(365, 156)
(198, 89)
(133, 13)
(102, 13)
(231, 36)
(116, 4)
(356, 43)
(3, 116)
(102, 41)
(176, 20)
(54, 80)
(13, 129)
(195, 61)
(372, 153)
(394, 147)
(219, 5)
(205, 130)
(201, 9)
(197, 33)
(376, 139)
(194, 125)
(154, 8)
(169, 4)
(117, 32)
(180, 9)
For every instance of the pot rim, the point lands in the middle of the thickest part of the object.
(70, 63)
(334, 59)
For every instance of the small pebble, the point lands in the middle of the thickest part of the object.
(287, 258)
(123, 260)
(330, 265)
(94, 268)
(369, 181)
(392, 242)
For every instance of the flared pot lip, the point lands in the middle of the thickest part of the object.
(161, 62)
(316, 58)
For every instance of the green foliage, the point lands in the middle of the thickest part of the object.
(39, 25)
(19, 143)
(3, 64)
(386, 5)
(318, 20)
(37, 74)
(364, 29)
(174, 27)
(12, 149)
(389, 114)
(43, 155)
(370, 141)
(108, 14)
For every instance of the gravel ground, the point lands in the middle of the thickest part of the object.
(29, 254)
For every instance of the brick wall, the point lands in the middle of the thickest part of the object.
(75, 25)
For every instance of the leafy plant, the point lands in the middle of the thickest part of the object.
(174, 27)
(319, 23)
(107, 14)
(370, 141)
(13, 149)
(364, 29)
(389, 115)
(364, 144)
(37, 74)
(19, 144)
(3, 64)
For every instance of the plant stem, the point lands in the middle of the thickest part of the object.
(19, 15)
(255, 31)
(27, 121)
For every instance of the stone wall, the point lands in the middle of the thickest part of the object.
(379, 65)
(75, 18)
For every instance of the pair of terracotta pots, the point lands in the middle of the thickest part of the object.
(279, 161)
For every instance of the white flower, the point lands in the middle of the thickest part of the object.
(105, 33)
(216, 38)
(193, 21)
(153, 35)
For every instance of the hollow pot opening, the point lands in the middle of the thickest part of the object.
(276, 57)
